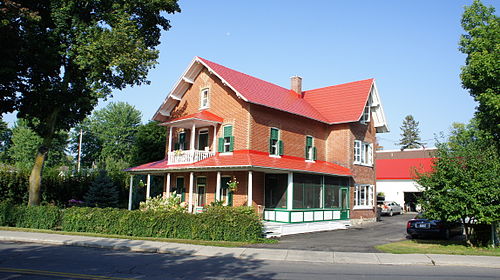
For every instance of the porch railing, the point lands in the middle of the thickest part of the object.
(189, 156)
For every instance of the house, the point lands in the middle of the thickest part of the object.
(298, 156)
(396, 171)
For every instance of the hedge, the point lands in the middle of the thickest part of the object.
(217, 223)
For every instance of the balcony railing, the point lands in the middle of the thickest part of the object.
(188, 156)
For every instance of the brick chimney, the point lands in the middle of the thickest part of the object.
(296, 84)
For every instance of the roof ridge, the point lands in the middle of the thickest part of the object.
(332, 86)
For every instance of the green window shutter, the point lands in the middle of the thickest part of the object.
(306, 154)
(221, 145)
(314, 153)
(270, 146)
(280, 145)
(309, 141)
(231, 143)
(228, 131)
(274, 133)
(176, 146)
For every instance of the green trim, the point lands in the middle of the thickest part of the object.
(304, 211)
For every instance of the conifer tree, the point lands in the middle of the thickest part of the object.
(410, 134)
(103, 192)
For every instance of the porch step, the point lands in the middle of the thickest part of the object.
(273, 229)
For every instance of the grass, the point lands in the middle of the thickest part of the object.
(436, 247)
(171, 240)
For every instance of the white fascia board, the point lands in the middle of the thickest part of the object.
(379, 115)
(177, 84)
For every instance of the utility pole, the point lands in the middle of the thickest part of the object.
(79, 151)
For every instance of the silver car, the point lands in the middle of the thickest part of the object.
(390, 208)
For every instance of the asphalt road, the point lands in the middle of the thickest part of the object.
(357, 239)
(32, 261)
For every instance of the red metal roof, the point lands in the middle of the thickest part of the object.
(202, 115)
(340, 103)
(249, 159)
(402, 169)
(335, 104)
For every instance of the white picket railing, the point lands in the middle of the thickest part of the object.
(183, 157)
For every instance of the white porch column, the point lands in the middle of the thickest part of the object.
(130, 192)
(214, 141)
(191, 184)
(193, 136)
(250, 188)
(217, 187)
(289, 192)
(170, 140)
(148, 186)
(168, 185)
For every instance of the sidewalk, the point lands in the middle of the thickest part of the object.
(252, 253)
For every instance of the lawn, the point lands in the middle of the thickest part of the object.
(170, 240)
(436, 247)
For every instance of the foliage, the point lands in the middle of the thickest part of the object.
(60, 57)
(5, 140)
(149, 143)
(102, 192)
(225, 224)
(40, 217)
(481, 73)
(57, 187)
(464, 183)
(233, 184)
(410, 134)
(172, 203)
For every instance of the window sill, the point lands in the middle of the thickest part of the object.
(310, 160)
(363, 164)
(226, 154)
(204, 108)
(275, 156)
(362, 207)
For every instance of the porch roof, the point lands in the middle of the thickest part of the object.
(247, 159)
(204, 116)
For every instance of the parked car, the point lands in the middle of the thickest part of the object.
(419, 227)
(390, 208)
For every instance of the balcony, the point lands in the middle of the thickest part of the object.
(188, 156)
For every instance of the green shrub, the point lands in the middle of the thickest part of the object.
(218, 223)
(40, 217)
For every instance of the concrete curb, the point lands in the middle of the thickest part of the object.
(251, 253)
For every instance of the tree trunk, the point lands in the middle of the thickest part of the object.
(36, 177)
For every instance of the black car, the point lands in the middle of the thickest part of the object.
(420, 227)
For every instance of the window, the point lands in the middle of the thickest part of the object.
(310, 151)
(363, 153)
(363, 196)
(203, 140)
(204, 98)
(226, 143)
(306, 191)
(181, 145)
(275, 144)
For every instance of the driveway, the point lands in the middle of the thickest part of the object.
(355, 239)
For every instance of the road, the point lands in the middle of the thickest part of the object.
(32, 261)
(357, 239)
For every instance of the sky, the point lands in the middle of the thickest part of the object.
(409, 47)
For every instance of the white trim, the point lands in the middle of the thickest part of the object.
(130, 192)
(191, 187)
(148, 186)
(250, 188)
(202, 97)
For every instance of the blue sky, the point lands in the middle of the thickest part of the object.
(409, 47)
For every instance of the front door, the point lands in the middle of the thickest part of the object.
(201, 185)
(203, 140)
(179, 188)
(344, 203)
(225, 194)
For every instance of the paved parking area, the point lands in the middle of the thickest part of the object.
(356, 239)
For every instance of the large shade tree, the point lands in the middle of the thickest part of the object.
(481, 73)
(60, 56)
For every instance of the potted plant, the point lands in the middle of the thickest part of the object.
(232, 185)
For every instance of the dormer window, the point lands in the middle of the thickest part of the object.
(204, 98)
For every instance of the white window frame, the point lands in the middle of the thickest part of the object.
(310, 151)
(364, 196)
(363, 153)
(276, 145)
(205, 98)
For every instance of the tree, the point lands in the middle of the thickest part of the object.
(25, 143)
(149, 144)
(481, 73)
(410, 135)
(464, 183)
(102, 192)
(5, 140)
(60, 57)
